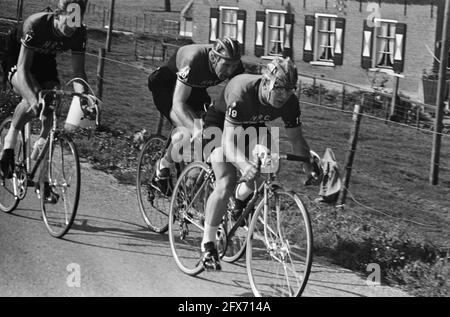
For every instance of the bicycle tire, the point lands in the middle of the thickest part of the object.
(153, 204)
(287, 244)
(186, 225)
(63, 167)
(237, 244)
(9, 200)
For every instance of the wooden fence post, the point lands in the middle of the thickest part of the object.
(418, 117)
(135, 46)
(394, 97)
(350, 156)
(320, 94)
(100, 71)
(299, 90)
(110, 26)
(163, 51)
(145, 21)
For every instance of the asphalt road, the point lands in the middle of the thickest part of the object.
(117, 256)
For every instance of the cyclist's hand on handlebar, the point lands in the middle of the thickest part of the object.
(313, 170)
(250, 172)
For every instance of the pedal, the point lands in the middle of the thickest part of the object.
(212, 267)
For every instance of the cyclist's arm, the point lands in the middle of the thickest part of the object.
(25, 83)
(78, 70)
(182, 110)
(231, 150)
(299, 145)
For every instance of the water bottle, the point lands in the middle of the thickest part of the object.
(37, 148)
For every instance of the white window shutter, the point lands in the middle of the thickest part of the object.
(338, 57)
(214, 17)
(241, 20)
(260, 33)
(399, 53)
(308, 44)
(367, 46)
(288, 35)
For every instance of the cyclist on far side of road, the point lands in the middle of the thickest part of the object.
(248, 101)
(179, 87)
(30, 65)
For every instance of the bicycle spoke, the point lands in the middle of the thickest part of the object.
(153, 203)
(186, 218)
(279, 261)
(64, 187)
(9, 191)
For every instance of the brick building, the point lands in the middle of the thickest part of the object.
(326, 38)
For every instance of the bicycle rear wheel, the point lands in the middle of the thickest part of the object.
(154, 205)
(9, 196)
(187, 216)
(237, 243)
(64, 180)
(279, 248)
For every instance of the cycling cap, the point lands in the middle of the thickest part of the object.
(62, 5)
(227, 48)
(282, 72)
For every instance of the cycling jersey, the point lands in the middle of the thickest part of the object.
(190, 65)
(240, 105)
(38, 34)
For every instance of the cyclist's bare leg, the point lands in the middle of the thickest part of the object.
(23, 113)
(216, 206)
(47, 117)
(21, 116)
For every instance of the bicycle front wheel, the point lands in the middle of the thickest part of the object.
(153, 203)
(279, 247)
(187, 216)
(9, 188)
(63, 176)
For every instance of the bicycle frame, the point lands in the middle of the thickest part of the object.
(26, 147)
(263, 191)
(26, 131)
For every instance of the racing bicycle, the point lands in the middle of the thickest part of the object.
(274, 229)
(56, 169)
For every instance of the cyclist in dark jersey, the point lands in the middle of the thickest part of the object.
(30, 65)
(248, 101)
(179, 87)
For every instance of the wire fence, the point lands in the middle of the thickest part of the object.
(376, 103)
(97, 16)
(390, 174)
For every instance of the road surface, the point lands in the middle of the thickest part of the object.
(117, 256)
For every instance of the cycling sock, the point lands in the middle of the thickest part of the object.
(163, 163)
(209, 235)
(243, 191)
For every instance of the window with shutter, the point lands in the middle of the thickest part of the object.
(232, 24)
(324, 40)
(384, 46)
(228, 22)
(274, 33)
